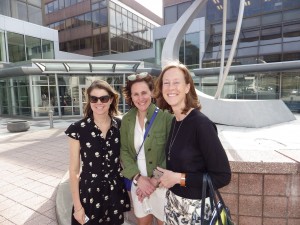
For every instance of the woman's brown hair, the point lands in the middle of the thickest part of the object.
(101, 84)
(191, 100)
(127, 89)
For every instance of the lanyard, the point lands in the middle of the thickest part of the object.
(147, 130)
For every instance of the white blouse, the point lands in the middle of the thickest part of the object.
(138, 140)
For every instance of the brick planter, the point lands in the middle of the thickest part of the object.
(264, 193)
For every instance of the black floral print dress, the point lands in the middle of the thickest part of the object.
(101, 186)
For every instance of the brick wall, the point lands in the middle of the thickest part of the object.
(263, 198)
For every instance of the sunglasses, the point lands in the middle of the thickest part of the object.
(103, 99)
(133, 77)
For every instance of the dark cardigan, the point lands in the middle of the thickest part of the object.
(196, 149)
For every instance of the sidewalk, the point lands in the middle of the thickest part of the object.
(34, 186)
(32, 164)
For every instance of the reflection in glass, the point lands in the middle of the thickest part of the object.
(16, 47)
(48, 49)
(33, 48)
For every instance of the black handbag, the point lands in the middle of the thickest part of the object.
(220, 212)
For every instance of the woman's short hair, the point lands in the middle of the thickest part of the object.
(191, 100)
(101, 84)
(147, 78)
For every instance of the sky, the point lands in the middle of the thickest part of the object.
(153, 5)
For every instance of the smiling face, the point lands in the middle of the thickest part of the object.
(100, 108)
(141, 96)
(174, 88)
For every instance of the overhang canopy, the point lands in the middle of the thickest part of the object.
(54, 66)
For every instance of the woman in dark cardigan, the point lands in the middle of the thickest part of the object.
(193, 147)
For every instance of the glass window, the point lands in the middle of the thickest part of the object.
(267, 86)
(35, 15)
(55, 5)
(182, 8)
(214, 10)
(170, 14)
(95, 6)
(5, 7)
(33, 48)
(67, 3)
(248, 38)
(35, 2)
(291, 46)
(290, 4)
(22, 11)
(73, 2)
(88, 18)
(291, 56)
(104, 42)
(269, 58)
(113, 18)
(48, 49)
(61, 4)
(2, 48)
(68, 23)
(271, 18)
(50, 7)
(102, 4)
(96, 18)
(267, 49)
(270, 35)
(291, 15)
(125, 21)
(290, 92)
(16, 47)
(96, 43)
(291, 32)
(242, 52)
(103, 17)
(249, 22)
(272, 5)
(192, 49)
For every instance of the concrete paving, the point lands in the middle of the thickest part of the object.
(34, 164)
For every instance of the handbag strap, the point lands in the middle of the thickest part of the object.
(147, 130)
(204, 188)
(212, 196)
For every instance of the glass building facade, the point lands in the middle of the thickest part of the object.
(26, 10)
(34, 95)
(99, 27)
(270, 33)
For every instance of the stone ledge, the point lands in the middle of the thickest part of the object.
(264, 167)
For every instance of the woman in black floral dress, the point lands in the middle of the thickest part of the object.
(98, 191)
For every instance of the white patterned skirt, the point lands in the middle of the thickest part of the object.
(182, 211)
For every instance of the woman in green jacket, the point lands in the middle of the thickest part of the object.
(140, 158)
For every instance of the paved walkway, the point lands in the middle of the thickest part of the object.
(32, 165)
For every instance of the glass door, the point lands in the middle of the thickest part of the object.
(82, 98)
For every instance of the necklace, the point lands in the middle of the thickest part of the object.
(173, 140)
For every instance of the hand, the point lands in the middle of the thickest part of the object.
(140, 195)
(145, 186)
(169, 178)
(79, 215)
(154, 182)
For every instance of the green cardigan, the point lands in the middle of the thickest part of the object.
(154, 144)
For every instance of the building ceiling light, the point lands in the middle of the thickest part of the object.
(247, 3)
